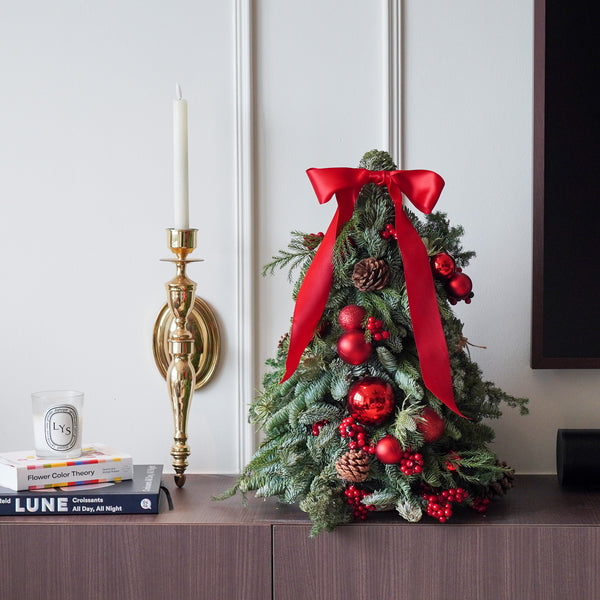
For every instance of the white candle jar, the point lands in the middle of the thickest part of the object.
(57, 423)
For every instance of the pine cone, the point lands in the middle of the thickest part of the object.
(370, 274)
(353, 466)
(502, 485)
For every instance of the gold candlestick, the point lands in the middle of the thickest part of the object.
(186, 343)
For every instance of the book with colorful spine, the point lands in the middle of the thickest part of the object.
(98, 463)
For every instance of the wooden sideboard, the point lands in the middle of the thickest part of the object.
(540, 541)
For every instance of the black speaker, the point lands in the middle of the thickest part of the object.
(578, 457)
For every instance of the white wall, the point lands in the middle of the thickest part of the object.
(85, 198)
(468, 114)
(320, 89)
(85, 188)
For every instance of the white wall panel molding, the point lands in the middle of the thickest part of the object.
(392, 95)
(244, 215)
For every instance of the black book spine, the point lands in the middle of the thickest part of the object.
(33, 503)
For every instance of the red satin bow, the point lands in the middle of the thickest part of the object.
(423, 189)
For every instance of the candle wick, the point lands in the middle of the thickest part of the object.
(178, 92)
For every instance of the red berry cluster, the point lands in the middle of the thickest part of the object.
(411, 463)
(351, 429)
(375, 326)
(316, 428)
(389, 232)
(354, 497)
(453, 461)
(480, 504)
(439, 506)
(312, 240)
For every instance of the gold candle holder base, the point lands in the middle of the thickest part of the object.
(186, 343)
(202, 324)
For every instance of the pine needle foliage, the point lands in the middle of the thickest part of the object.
(301, 417)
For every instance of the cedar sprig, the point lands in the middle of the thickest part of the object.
(298, 256)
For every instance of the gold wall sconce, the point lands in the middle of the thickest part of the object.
(186, 343)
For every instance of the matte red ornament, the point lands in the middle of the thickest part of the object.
(443, 265)
(353, 348)
(389, 451)
(459, 286)
(351, 317)
(432, 426)
(371, 401)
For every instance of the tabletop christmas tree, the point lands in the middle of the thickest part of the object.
(372, 401)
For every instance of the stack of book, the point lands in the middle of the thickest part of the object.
(101, 480)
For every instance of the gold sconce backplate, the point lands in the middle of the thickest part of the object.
(203, 326)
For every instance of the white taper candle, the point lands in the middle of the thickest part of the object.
(180, 161)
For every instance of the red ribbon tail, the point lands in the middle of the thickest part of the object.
(424, 312)
(311, 300)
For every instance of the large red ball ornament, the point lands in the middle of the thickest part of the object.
(371, 401)
(353, 348)
(443, 265)
(389, 451)
(459, 287)
(351, 317)
(432, 426)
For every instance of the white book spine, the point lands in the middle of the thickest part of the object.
(54, 476)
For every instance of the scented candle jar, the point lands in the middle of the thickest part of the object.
(57, 423)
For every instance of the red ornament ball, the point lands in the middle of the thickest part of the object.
(351, 317)
(353, 348)
(389, 451)
(459, 286)
(432, 426)
(443, 265)
(371, 401)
